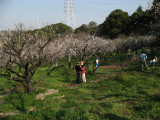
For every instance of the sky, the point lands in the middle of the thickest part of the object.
(39, 13)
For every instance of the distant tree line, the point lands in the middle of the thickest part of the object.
(119, 23)
(89, 29)
(53, 30)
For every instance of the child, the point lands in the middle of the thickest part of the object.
(153, 62)
(83, 74)
(82, 63)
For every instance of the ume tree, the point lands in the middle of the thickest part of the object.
(28, 52)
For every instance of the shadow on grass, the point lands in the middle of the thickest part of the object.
(111, 116)
(153, 98)
(17, 101)
(157, 74)
(152, 71)
(129, 98)
(67, 76)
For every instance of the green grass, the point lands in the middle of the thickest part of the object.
(133, 96)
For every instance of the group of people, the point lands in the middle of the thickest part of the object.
(80, 70)
(143, 58)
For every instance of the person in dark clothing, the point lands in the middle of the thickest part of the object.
(79, 72)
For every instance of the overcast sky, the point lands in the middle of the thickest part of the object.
(39, 13)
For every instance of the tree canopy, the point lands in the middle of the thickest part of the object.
(89, 29)
(114, 24)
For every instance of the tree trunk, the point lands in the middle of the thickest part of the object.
(87, 66)
(93, 68)
(29, 87)
(69, 65)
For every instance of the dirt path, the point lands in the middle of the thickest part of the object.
(102, 77)
(7, 114)
(115, 67)
(48, 92)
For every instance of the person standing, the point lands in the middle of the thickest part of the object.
(78, 72)
(143, 58)
(83, 73)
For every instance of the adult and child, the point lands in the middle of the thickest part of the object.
(80, 70)
(143, 58)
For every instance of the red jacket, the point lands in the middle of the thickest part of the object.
(83, 70)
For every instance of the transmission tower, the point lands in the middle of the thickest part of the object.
(69, 18)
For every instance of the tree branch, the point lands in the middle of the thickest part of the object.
(46, 75)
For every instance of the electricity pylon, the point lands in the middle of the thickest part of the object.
(69, 18)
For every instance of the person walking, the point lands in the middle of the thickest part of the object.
(153, 61)
(83, 73)
(143, 58)
(97, 63)
(78, 72)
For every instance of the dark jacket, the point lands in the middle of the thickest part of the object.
(77, 68)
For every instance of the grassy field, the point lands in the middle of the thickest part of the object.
(107, 95)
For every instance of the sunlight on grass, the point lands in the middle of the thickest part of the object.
(135, 95)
